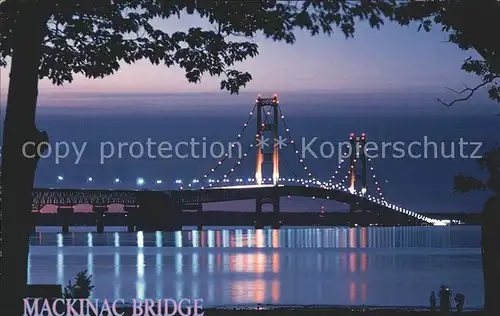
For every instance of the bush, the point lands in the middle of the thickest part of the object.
(82, 288)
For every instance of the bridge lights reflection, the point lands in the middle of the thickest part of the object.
(90, 263)
(140, 285)
(117, 265)
(178, 239)
(140, 240)
(117, 239)
(159, 240)
(178, 264)
(60, 267)
(59, 240)
(90, 241)
(196, 238)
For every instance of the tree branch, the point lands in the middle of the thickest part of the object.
(470, 92)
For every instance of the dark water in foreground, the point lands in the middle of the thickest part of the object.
(337, 266)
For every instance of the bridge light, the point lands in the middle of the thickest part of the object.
(60, 178)
(178, 181)
(140, 181)
(90, 179)
(159, 182)
(117, 180)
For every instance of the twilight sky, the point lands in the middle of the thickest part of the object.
(416, 66)
(391, 59)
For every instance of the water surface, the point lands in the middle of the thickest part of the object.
(339, 266)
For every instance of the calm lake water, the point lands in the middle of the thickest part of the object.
(337, 266)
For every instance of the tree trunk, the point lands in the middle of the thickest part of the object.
(490, 242)
(18, 170)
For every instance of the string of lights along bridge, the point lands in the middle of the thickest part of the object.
(269, 117)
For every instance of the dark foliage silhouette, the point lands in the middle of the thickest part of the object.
(490, 238)
(82, 288)
(471, 25)
(57, 39)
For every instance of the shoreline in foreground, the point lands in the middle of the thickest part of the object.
(315, 310)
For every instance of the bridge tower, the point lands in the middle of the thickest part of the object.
(267, 107)
(267, 148)
(358, 146)
(359, 215)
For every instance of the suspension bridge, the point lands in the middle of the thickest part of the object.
(348, 182)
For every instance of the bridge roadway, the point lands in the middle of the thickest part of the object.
(103, 197)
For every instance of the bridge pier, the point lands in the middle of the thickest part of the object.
(66, 213)
(356, 212)
(131, 217)
(157, 211)
(99, 212)
(260, 217)
(361, 215)
(33, 221)
(198, 216)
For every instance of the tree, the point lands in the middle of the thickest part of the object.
(475, 25)
(490, 238)
(471, 24)
(57, 39)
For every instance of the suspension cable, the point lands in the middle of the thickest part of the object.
(377, 184)
(238, 163)
(240, 134)
(301, 159)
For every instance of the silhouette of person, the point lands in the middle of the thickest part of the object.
(459, 300)
(433, 301)
(444, 299)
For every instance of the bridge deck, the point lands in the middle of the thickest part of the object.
(71, 197)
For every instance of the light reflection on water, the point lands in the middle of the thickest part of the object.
(346, 266)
